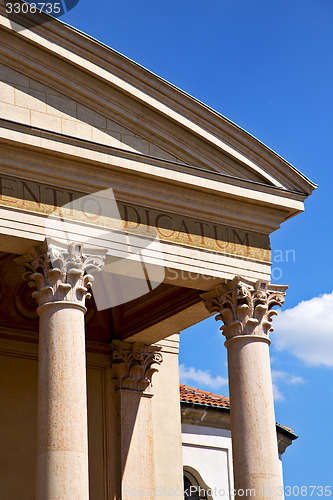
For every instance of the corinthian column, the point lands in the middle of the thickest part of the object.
(58, 272)
(246, 311)
(134, 366)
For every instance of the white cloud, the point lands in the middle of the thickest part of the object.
(306, 331)
(280, 377)
(201, 378)
(278, 396)
(285, 377)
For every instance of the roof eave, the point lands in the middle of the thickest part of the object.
(210, 125)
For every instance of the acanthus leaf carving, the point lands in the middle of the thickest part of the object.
(245, 307)
(60, 272)
(134, 365)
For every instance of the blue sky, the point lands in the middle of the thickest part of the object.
(268, 67)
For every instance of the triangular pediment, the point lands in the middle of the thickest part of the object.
(57, 79)
(31, 102)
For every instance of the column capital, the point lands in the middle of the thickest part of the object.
(244, 306)
(134, 365)
(60, 272)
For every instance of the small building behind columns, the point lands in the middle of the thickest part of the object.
(207, 448)
(114, 181)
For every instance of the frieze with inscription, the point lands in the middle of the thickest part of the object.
(46, 199)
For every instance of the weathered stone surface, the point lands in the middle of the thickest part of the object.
(246, 310)
(134, 365)
(62, 287)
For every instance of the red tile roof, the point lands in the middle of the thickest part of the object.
(286, 429)
(191, 395)
(196, 396)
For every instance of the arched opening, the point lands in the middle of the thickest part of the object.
(193, 490)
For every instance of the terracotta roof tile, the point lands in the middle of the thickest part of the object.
(192, 395)
(287, 429)
(196, 396)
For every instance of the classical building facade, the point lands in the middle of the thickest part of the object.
(113, 179)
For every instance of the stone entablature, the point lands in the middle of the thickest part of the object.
(45, 199)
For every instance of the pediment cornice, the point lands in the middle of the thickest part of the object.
(101, 78)
(88, 167)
